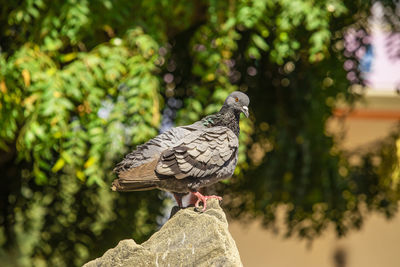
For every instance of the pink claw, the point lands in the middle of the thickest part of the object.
(201, 198)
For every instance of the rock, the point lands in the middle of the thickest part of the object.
(189, 238)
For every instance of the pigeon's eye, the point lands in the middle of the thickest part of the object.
(237, 99)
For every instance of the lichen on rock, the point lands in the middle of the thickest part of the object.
(189, 238)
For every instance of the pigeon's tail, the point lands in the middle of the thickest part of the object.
(133, 186)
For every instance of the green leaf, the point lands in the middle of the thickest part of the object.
(58, 165)
(260, 42)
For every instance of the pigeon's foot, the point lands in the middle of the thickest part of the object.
(201, 198)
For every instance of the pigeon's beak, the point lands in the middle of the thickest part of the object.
(245, 111)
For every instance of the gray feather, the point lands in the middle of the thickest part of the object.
(209, 154)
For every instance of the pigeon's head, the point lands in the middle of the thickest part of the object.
(238, 101)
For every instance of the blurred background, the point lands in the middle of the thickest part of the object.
(83, 82)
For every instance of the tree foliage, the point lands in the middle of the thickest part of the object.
(83, 82)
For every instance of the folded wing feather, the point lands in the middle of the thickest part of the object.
(200, 154)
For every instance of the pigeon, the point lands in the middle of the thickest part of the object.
(185, 159)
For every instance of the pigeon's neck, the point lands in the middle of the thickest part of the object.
(227, 117)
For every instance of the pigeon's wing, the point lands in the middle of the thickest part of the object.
(139, 166)
(151, 150)
(203, 153)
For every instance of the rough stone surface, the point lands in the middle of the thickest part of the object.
(189, 238)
